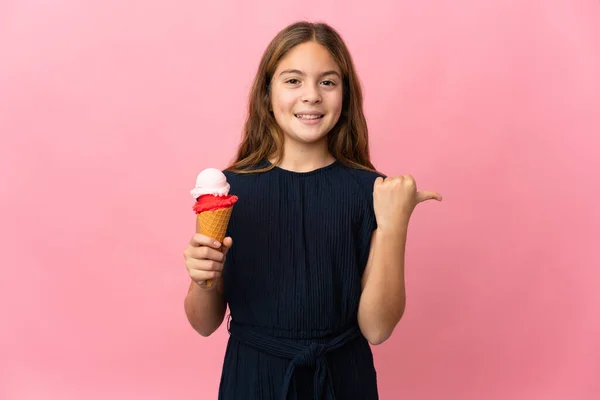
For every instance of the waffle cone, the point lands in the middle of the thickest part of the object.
(214, 223)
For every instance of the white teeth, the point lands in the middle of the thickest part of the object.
(308, 116)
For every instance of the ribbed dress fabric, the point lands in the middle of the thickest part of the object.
(293, 282)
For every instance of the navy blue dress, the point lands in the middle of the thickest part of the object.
(293, 282)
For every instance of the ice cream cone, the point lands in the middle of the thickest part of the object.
(213, 205)
(214, 225)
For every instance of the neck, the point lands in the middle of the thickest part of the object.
(300, 157)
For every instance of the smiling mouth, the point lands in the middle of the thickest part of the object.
(309, 116)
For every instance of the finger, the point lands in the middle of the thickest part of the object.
(199, 276)
(227, 243)
(206, 253)
(409, 180)
(427, 195)
(204, 265)
(202, 240)
(378, 181)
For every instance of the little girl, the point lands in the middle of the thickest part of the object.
(317, 270)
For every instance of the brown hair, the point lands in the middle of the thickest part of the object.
(262, 138)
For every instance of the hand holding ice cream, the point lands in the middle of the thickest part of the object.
(204, 258)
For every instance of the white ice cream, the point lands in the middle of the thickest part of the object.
(210, 181)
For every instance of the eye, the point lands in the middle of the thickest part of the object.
(328, 83)
(292, 81)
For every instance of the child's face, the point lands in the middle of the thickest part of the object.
(306, 93)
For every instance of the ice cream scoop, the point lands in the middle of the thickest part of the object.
(210, 181)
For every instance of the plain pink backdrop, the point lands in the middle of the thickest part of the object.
(108, 110)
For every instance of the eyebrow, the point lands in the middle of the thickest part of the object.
(297, 71)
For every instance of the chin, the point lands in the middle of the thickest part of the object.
(308, 139)
(316, 134)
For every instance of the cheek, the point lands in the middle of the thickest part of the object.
(282, 102)
(336, 104)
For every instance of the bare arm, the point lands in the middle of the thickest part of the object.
(383, 299)
(205, 308)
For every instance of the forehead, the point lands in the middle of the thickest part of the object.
(310, 58)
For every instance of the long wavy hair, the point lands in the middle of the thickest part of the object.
(262, 138)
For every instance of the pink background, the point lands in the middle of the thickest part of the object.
(108, 110)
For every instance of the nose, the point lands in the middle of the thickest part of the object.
(311, 95)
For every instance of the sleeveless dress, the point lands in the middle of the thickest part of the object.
(292, 280)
